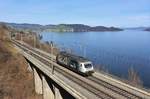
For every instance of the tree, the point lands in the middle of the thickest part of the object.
(133, 77)
(4, 32)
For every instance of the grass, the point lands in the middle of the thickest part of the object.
(16, 82)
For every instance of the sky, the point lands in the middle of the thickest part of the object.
(120, 13)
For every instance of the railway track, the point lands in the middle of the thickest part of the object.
(114, 88)
(96, 91)
(89, 87)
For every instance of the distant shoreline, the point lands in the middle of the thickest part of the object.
(61, 27)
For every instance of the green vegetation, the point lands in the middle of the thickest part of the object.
(61, 28)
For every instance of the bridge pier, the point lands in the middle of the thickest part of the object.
(57, 93)
(45, 86)
(47, 90)
(37, 82)
(29, 68)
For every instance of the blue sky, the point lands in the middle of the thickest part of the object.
(122, 13)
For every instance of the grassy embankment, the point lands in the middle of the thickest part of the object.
(132, 78)
(16, 82)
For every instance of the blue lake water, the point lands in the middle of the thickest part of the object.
(116, 51)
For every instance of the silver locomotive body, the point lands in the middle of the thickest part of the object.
(75, 63)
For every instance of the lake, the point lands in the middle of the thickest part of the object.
(116, 51)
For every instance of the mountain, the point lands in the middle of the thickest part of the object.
(136, 28)
(81, 28)
(102, 28)
(77, 27)
(25, 26)
(60, 27)
(147, 29)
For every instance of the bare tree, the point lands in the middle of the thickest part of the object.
(133, 77)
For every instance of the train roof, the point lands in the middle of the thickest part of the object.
(75, 57)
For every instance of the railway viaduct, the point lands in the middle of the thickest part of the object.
(56, 82)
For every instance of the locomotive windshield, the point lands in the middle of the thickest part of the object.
(88, 65)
